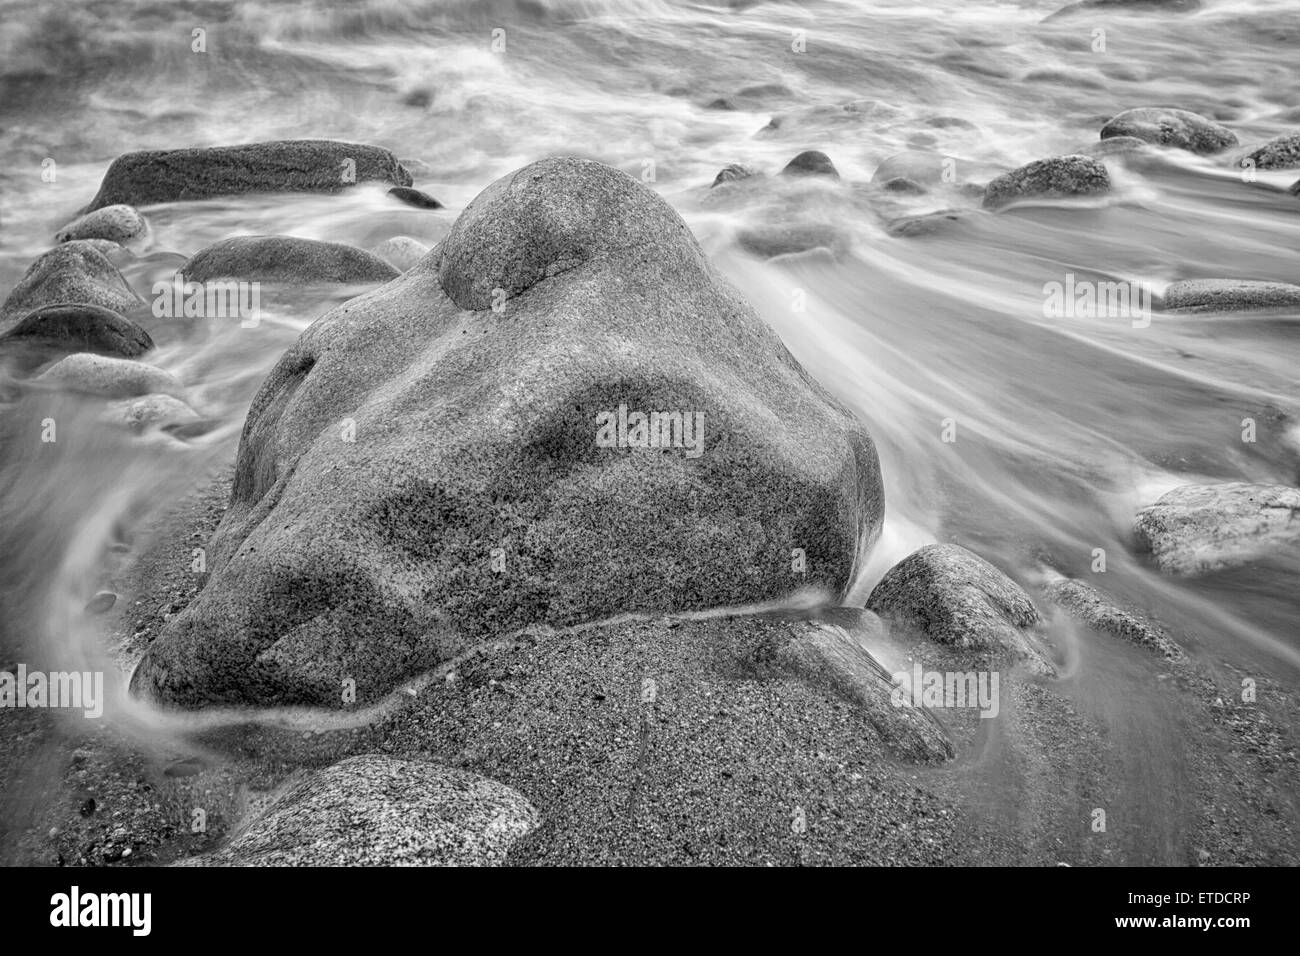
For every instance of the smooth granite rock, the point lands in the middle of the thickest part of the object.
(1057, 178)
(110, 377)
(461, 452)
(118, 223)
(81, 328)
(377, 810)
(1196, 529)
(74, 272)
(286, 259)
(307, 165)
(952, 596)
(1178, 129)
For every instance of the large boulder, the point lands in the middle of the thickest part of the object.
(74, 272)
(377, 810)
(286, 259)
(1179, 129)
(561, 414)
(1057, 178)
(947, 594)
(306, 165)
(81, 327)
(1195, 529)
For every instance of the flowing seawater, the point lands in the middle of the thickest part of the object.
(1063, 426)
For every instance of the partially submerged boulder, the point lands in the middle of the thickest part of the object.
(414, 197)
(1229, 295)
(1196, 529)
(1282, 152)
(109, 377)
(306, 165)
(564, 415)
(151, 411)
(74, 272)
(81, 327)
(118, 223)
(1177, 129)
(811, 162)
(952, 596)
(1087, 604)
(1060, 177)
(731, 173)
(286, 259)
(926, 224)
(401, 252)
(377, 810)
(783, 239)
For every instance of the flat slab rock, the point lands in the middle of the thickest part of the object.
(376, 810)
(952, 596)
(1196, 529)
(157, 176)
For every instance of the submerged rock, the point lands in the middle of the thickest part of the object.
(1114, 146)
(811, 162)
(119, 223)
(791, 238)
(1229, 295)
(306, 165)
(921, 166)
(1195, 529)
(1280, 153)
(1087, 604)
(927, 224)
(949, 595)
(470, 449)
(74, 272)
(110, 377)
(286, 259)
(402, 252)
(1179, 129)
(1056, 178)
(414, 197)
(1124, 6)
(151, 411)
(81, 328)
(377, 810)
(731, 173)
